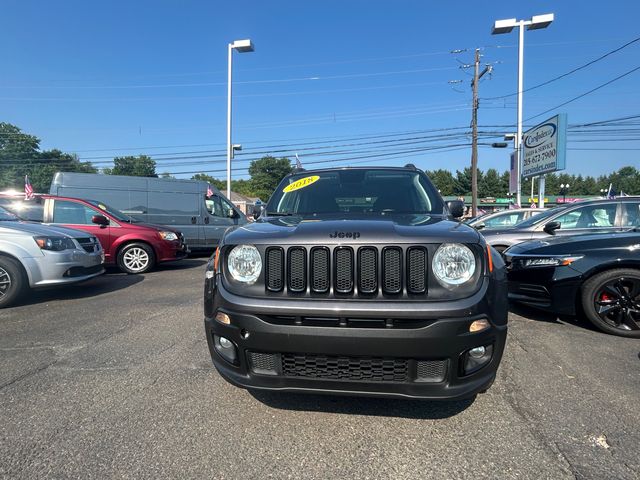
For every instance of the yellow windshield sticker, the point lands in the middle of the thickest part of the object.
(298, 184)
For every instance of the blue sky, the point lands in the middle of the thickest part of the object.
(124, 77)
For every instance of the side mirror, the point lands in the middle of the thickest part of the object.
(100, 220)
(257, 211)
(479, 226)
(456, 208)
(232, 214)
(551, 227)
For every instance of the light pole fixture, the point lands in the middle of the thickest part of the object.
(241, 46)
(506, 26)
(236, 147)
(564, 188)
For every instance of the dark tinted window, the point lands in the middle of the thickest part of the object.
(631, 214)
(31, 210)
(356, 191)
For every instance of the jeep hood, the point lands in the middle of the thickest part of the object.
(296, 230)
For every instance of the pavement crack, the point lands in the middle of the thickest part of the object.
(28, 374)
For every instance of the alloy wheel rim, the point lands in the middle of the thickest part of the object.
(136, 259)
(617, 303)
(5, 282)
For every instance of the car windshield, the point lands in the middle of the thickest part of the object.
(536, 219)
(115, 213)
(7, 216)
(356, 191)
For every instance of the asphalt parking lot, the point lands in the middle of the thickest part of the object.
(113, 378)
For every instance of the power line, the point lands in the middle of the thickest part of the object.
(586, 93)
(602, 57)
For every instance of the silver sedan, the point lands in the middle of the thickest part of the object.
(34, 255)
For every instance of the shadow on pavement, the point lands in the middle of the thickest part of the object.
(90, 288)
(379, 407)
(182, 264)
(542, 316)
(163, 267)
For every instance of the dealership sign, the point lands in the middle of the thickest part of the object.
(544, 147)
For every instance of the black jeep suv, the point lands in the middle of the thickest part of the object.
(357, 281)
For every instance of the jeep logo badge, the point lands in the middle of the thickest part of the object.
(337, 234)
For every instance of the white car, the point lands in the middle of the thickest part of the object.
(503, 218)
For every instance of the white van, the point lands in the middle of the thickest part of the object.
(182, 204)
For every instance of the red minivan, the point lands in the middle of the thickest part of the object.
(135, 247)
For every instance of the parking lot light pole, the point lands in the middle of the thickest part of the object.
(564, 188)
(506, 26)
(241, 46)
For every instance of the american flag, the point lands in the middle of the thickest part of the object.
(28, 189)
(209, 191)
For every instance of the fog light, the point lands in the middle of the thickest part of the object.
(479, 325)
(476, 358)
(223, 318)
(477, 352)
(226, 348)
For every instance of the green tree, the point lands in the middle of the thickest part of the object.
(133, 166)
(443, 180)
(462, 185)
(490, 185)
(20, 155)
(266, 174)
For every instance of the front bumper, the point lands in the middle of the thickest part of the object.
(553, 289)
(174, 250)
(443, 338)
(65, 267)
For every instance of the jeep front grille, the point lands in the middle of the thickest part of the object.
(365, 271)
(345, 368)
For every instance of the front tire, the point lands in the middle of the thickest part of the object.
(611, 301)
(13, 282)
(135, 258)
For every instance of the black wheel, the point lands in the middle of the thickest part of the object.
(136, 258)
(611, 301)
(13, 281)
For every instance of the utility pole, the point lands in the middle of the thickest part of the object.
(477, 75)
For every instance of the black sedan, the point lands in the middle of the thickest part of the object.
(594, 275)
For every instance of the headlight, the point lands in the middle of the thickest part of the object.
(169, 236)
(453, 264)
(244, 263)
(55, 244)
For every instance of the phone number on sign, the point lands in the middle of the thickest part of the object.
(540, 157)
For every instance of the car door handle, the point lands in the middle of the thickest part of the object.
(193, 220)
(206, 220)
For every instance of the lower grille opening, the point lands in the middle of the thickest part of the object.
(369, 369)
(433, 371)
(82, 271)
(263, 363)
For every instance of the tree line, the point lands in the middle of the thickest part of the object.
(20, 155)
(495, 184)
